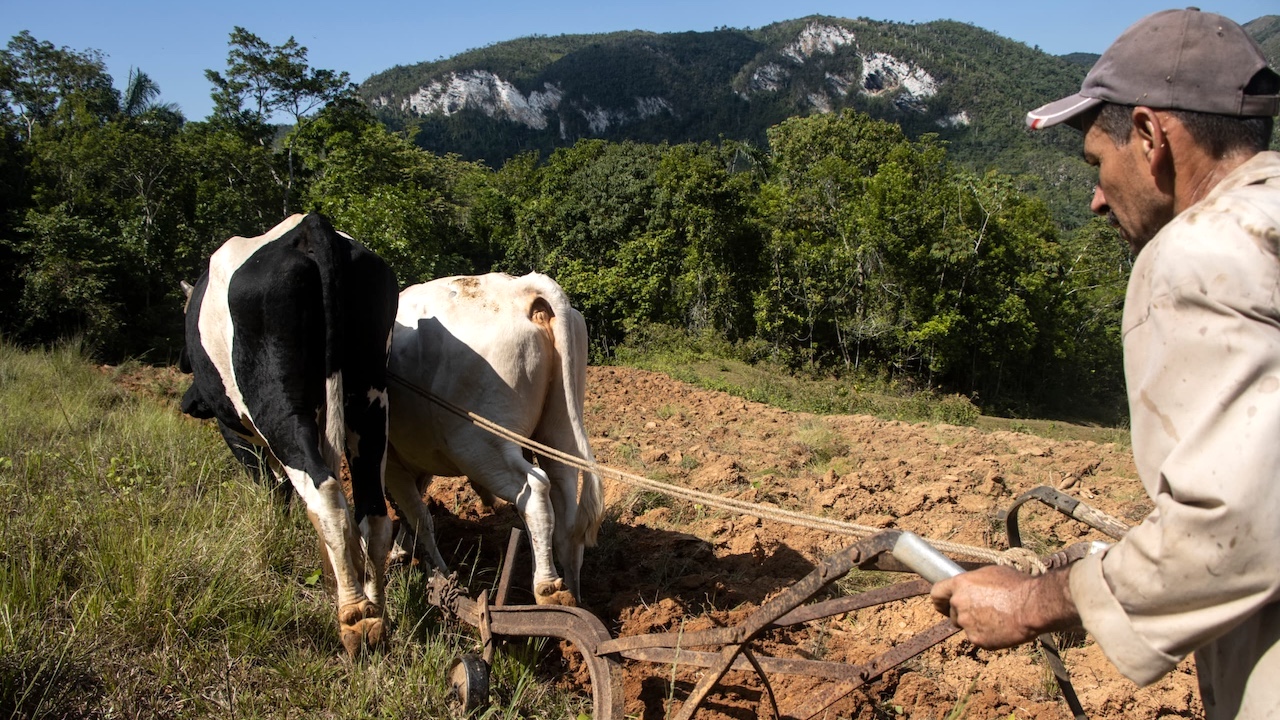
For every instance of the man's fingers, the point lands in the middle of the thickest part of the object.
(940, 594)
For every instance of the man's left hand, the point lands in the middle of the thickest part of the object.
(999, 607)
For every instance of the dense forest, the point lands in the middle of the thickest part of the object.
(838, 244)
(709, 87)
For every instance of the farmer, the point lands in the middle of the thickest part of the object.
(1177, 115)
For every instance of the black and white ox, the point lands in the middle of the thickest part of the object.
(511, 350)
(287, 336)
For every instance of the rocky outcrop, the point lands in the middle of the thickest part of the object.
(881, 73)
(875, 74)
(488, 93)
(817, 38)
(601, 119)
(767, 78)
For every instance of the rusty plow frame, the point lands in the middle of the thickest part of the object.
(725, 649)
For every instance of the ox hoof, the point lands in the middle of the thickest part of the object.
(360, 627)
(554, 593)
(369, 634)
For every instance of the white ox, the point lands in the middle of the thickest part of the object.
(511, 350)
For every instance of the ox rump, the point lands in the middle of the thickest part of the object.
(286, 337)
(513, 351)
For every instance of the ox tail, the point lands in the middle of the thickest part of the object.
(570, 337)
(335, 424)
(324, 245)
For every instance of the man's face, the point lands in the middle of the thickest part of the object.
(1126, 192)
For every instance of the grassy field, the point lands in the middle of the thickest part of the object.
(714, 369)
(143, 575)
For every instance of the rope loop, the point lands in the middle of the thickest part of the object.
(1022, 559)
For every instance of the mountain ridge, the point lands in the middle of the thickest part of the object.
(970, 86)
(578, 86)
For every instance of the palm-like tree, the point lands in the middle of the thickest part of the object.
(140, 96)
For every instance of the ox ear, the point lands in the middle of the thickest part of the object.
(186, 288)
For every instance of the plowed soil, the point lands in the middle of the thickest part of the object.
(667, 565)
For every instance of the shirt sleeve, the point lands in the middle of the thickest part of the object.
(1202, 363)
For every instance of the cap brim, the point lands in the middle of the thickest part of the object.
(1060, 111)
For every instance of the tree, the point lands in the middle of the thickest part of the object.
(848, 201)
(705, 206)
(236, 189)
(404, 203)
(48, 86)
(139, 94)
(589, 225)
(273, 79)
(96, 197)
(140, 97)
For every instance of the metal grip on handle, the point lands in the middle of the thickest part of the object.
(912, 550)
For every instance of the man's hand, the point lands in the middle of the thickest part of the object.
(999, 607)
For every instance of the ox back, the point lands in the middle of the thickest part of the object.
(287, 336)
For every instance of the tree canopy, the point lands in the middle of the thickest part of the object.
(839, 244)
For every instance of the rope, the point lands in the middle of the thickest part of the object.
(765, 512)
(1024, 560)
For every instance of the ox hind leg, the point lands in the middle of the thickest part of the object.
(367, 317)
(297, 452)
(538, 508)
(564, 501)
(416, 527)
(508, 475)
(366, 417)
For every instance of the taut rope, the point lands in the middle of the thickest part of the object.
(766, 512)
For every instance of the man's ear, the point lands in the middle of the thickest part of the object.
(1149, 132)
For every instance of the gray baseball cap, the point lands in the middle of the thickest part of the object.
(1173, 60)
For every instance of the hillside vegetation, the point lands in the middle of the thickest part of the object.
(1266, 30)
(849, 198)
(735, 84)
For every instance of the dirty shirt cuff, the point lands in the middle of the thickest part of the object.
(1106, 620)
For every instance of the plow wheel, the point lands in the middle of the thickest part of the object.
(469, 682)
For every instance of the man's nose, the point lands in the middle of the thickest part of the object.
(1099, 204)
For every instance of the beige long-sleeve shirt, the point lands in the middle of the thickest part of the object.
(1202, 364)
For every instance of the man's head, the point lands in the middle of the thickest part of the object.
(1174, 60)
(1178, 97)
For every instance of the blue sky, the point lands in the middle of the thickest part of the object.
(174, 41)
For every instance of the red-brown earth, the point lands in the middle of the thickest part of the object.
(665, 565)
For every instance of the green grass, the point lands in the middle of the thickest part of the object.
(820, 441)
(142, 574)
(714, 364)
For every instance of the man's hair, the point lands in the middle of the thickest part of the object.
(1221, 135)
